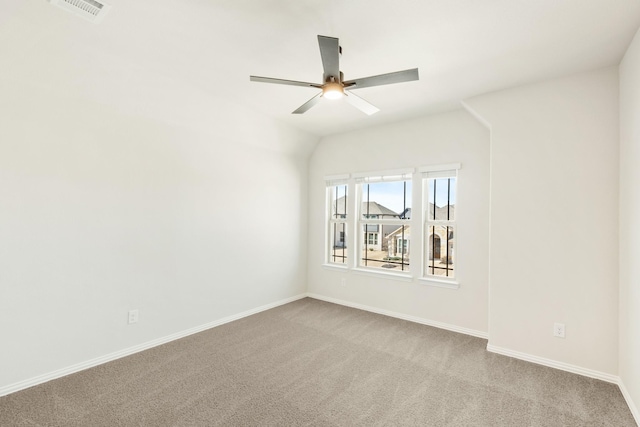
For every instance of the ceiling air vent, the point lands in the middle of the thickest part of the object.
(91, 10)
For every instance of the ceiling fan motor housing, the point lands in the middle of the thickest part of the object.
(335, 79)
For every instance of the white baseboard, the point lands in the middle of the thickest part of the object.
(414, 319)
(12, 388)
(574, 370)
(610, 378)
(21, 385)
(632, 406)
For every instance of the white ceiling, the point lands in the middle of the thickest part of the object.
(165, 58)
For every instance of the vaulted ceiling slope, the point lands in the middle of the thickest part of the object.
(164, 58)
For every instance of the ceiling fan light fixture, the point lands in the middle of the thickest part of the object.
(332, 90)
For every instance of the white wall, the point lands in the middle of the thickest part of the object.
(554, 219)
(630, 224)
(102, 212)
(440, 139)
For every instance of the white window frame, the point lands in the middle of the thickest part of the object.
(362, 222)
(418, 251)
(342, 223)
(429, 173)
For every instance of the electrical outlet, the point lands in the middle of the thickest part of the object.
(558, 330)
(343, 282)
(133, 316)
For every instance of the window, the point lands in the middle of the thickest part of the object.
(440, 225)
(372, 239)
(370, 227)
(403, 245)
(383, 220)
(337, 227)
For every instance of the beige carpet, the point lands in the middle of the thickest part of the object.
(319, 364)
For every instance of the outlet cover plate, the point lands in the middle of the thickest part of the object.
(133, 316)
(558, 330)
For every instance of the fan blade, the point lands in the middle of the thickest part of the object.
(307, 105)
(330, 52)
(383, 79)
(283, 82)
(361, 104)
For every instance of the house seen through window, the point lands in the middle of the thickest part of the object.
(338, 223)
(440, 224)
(372, 229)
(385, 208)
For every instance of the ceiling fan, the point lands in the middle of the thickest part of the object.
(334, 86)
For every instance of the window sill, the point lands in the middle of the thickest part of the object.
(335, 267)
(439, 283)
(385, 274)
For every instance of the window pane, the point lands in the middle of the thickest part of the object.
(440, 251)
(389, 249)
(386, 200)
(339, 201)
(338, 243)
(442, 199)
